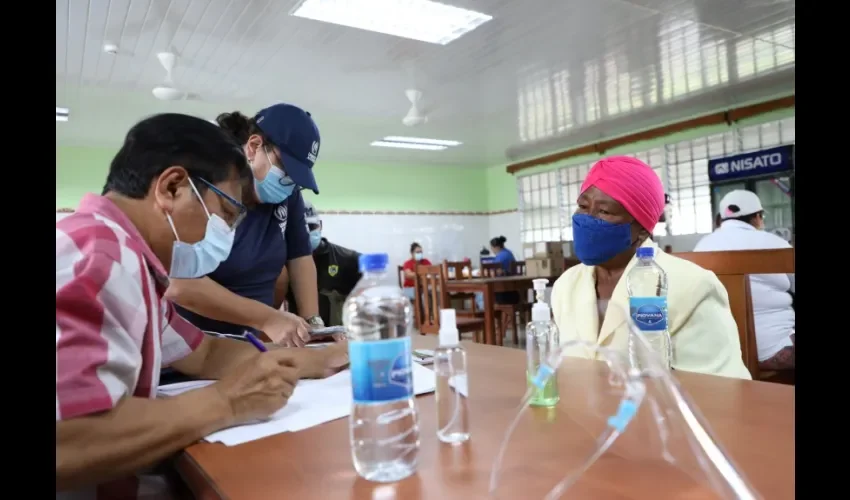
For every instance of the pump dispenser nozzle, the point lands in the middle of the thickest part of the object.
(540, 311)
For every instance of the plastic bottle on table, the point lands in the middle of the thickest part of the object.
(384, 423)
(452, 383)
(647, 287)
(541, 339)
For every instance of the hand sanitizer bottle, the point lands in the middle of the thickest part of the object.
(452, 387)
(541, 340)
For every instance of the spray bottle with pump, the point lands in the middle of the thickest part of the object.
(541, 341)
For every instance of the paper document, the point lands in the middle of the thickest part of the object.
(313, 403)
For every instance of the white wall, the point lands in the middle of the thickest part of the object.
(452, 237)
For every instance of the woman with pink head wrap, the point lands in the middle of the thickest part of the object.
(621, 201)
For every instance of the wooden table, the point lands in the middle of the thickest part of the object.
(754, 422)
(488, 287)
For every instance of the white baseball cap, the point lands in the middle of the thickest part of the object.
(311, 214)
(739, 203)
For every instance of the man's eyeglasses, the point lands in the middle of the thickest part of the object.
(240, 208)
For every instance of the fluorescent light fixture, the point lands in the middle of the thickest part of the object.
(407, 145)
(61, 114)
(422, 20)
(420, 140)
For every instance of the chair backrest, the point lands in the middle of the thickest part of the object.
(429, 297)
(519, 268)
(454, 270)
(732, 269)
(492, 270)
(400, 277)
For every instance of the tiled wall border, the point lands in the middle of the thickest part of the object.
(376, 212)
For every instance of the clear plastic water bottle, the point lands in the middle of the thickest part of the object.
(541, 339)
(384, 422)
(647, 286)
(452, 383)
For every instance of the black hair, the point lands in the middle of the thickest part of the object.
(484, 251)
(172, 139)
(749, 219)
(498, 242)
(414, 246)
(240, 127)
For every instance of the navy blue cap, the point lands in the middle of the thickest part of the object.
(296, 135)
(645, 252)
(373, 261)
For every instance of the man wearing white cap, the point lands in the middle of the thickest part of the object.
(742, 228)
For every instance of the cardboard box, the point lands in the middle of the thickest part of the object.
(544, 268)
(543, 250)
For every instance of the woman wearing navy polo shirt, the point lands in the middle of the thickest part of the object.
(281, 143)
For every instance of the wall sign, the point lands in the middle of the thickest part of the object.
(744, 165)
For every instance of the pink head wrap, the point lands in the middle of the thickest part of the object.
(633, 184)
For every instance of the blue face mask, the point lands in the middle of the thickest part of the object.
(597, 241)
(276, 186)
(315, 238)
(195, 260)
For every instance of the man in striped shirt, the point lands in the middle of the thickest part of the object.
(171, 201)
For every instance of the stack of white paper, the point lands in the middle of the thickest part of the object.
(313, 402)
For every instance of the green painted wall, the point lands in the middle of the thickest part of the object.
(378, 187)
(344, 187)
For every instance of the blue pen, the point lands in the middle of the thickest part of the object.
(254, 340)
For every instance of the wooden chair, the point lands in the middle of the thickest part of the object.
(506, 314)
(732, 269)
(455, 271)
(431, 296)
(519, 268)
(400, 277)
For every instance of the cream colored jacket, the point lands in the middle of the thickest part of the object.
(704, 333)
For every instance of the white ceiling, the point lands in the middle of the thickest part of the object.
(543, 75)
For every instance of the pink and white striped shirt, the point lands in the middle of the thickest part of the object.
(114, 330)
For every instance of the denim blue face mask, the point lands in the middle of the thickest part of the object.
(195, 260)
(315, 238)
(597, 241)
(276, 187)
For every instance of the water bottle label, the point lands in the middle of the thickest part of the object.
(649, 313)
(380, 370)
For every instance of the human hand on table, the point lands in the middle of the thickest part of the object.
(323, 362)
(286, 329)
(259, 386)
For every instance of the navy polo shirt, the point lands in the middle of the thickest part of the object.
(268, 237)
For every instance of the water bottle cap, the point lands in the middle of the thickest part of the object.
(373, 262)
(643, 252)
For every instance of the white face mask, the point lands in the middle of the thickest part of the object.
(195, 260)
(417, 256)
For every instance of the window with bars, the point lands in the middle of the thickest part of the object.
(548, 199)
(687, 169)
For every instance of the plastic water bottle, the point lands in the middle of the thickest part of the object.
(647, 286)
(541, 339)
(384, 423)
(452, 382)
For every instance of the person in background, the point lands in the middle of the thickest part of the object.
(172, 198)
(743, 229)
(337, 267)
(668, 248)
(282, 144)
(505, 257)
(417, 258)
(619, 204)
